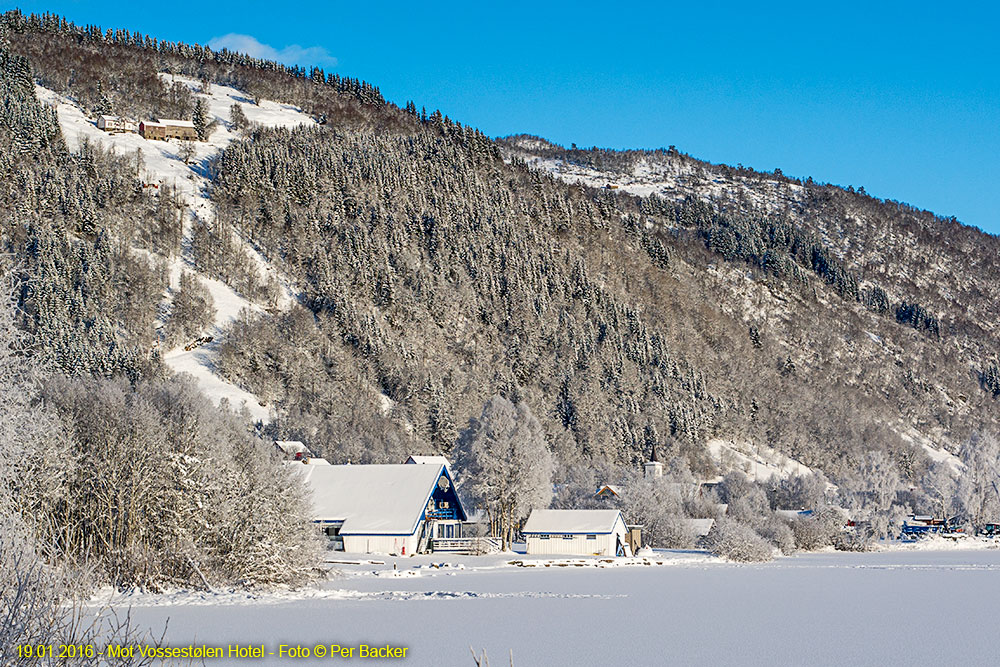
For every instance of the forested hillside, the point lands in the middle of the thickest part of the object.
(435, 267)
(110, 472)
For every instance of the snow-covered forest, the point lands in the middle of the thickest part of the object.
(377, 281)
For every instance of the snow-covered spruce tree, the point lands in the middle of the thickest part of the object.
(203, 124)
(504, 464)
(237, 118)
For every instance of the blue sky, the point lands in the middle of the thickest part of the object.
(901, 98)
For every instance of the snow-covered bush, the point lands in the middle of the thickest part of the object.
(820, 529)
(809, 490)
(854, 540)
(38, 607)
(657, 505)
(749, 506)
(177, 490)
(738, 542)
(777, 532)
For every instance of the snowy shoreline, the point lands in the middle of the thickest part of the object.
(379, 576)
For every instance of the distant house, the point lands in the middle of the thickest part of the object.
(429, 460)
(393, 509)
(113, 124)
(292, 450)
(577, 533)
(168, 128)
(701, 527)
(608, 492)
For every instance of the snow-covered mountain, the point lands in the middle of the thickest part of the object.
(377, 273)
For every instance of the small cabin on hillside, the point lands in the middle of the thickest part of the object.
(577, 533)
(390, 509)
(115, 124)
(292, 450)
(168, 128)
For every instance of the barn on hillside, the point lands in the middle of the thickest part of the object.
(577, 533)
(391, 509)
(168, 128)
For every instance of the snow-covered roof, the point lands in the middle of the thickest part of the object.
(371, 499)
(291, 447)
(174, 122)
(315, 461)
(572, 521)
(429, 460)
(609, 487)
(152, 123)
(701, 527)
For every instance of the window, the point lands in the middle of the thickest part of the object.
(591, 537)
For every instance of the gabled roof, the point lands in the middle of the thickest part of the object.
(372, 499)
(429, 460)
(701, 527)
(573, 521)
(291, 447)
(609, 487)
(174, 122)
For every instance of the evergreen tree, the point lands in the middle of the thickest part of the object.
(203, 126)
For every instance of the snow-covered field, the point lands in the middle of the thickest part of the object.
(164, 166)
(929, 607)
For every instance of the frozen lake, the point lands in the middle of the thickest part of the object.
(916, 607)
